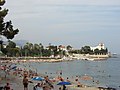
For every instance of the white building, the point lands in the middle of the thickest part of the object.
(100, 46)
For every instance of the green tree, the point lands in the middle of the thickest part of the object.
(104, 51)
(11, 44)
(46, 52)
(6, 28)
(41, 49)
(36, 50)
(26, 49)
(86, 50)
(69, 47)
(12, 50)
(30, 49)
(53, 49)
(96, 51)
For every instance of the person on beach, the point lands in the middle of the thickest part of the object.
(64, 87)
(25, 82)
(76, 79)
(49, 83)
(68, 79)
(61, 72)
(38, 87)
(7, 86)
(79, 84)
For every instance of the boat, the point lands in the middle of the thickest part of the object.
(114, 55)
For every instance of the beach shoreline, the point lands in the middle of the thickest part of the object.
(19, 79)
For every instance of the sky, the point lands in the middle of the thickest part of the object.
(67, 22)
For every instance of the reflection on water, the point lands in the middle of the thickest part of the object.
(106, 73)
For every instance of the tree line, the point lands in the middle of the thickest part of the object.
(33, 50)
(38, 50)
(88, 50)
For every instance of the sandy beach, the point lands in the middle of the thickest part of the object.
(15, 80)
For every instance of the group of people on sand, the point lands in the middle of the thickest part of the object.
(46, 85)
(43, 85)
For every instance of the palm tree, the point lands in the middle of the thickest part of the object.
(36, 49)
(41, 49)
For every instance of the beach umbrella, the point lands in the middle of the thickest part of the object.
(38, 78)
(64, 83)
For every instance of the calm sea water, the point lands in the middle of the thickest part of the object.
(107, 71)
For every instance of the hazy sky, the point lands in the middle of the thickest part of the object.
(67, 22)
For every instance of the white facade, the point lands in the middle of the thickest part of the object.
(100, 46)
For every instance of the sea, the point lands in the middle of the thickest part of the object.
(105, 72)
